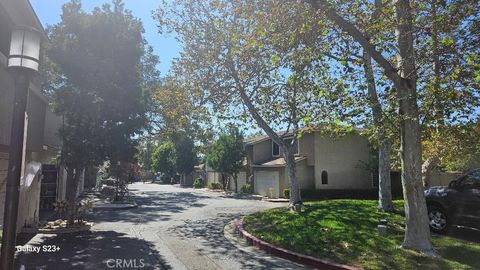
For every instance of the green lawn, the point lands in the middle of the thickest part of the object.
(345, 231)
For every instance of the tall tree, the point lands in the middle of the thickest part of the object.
(185, 155)
(449, 94)
(177, 109)
(227, 154)
(404, 77)
(230, 58)
(98, 87)
(164, 159)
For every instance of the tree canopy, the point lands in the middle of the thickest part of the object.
(227, 153)
(100, 68)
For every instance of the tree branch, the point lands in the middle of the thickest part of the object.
(390, 71)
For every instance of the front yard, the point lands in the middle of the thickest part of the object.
(345, 231)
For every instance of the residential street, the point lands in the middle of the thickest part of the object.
(172, 228)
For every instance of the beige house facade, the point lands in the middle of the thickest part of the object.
(322, 162)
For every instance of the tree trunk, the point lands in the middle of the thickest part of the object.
(287, 152)
(417, 233)
(235, 179)
(295, 199)
(438, 106)
(73, 178)
(384, 180)
(384, 145)
(428, 166)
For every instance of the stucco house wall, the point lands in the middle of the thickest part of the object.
(304, 173)
(262, 151)
(307, 149)
(342, 159)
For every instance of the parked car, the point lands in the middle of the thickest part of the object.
(457, 204)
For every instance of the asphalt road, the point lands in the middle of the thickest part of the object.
(172, 228)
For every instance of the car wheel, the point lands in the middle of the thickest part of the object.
(438, 219)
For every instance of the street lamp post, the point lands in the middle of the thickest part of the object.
(23, 62)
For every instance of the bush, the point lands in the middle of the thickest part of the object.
(248, 189)
(198, 183)
(286, 193)
(215, 186)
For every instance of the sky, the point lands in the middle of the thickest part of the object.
(166, 47)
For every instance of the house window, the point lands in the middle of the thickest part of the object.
(276, 147)
(324, 178)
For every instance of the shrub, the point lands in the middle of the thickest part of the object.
(215, 186)
(286, 193)
(198, 183)
(270, 193)
(248, 189)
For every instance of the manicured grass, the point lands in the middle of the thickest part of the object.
(345, 231)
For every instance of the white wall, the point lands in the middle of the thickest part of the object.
(241, 181)
(29, 197)
(443, 178)
(340, 158)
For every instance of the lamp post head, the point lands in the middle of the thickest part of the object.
(24, 49)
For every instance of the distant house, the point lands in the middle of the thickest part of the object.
(209, 175)
(322, 162)
(42, 181)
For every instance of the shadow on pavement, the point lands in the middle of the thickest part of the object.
(92, 250)
(210, 233)
(152, 206)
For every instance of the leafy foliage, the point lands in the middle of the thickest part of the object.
(164, 159)
(175, 155)
(457, 147)
(185, 155)
(198, 183)
(247, 189)
(227, 153)
(99, 68)
(215, 186)
(345, 231)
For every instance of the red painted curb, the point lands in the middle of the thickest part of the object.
(291, 255)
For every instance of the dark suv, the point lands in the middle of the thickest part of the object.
(458, 204)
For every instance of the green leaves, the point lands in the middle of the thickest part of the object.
(175, 155)
(164, 159)
(227, 153)
(100, 68)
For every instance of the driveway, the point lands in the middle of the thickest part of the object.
(173, 228)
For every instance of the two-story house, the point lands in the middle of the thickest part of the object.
(322, 162)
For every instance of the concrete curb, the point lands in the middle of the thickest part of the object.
(291, 255)
(231, 233)
(62, 230)
(113, 206)
(280, 200)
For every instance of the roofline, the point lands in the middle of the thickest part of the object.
(276, 166)
(257, 141)
(40, 25)
(286, 134)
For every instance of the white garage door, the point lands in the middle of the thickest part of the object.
(266, 180)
